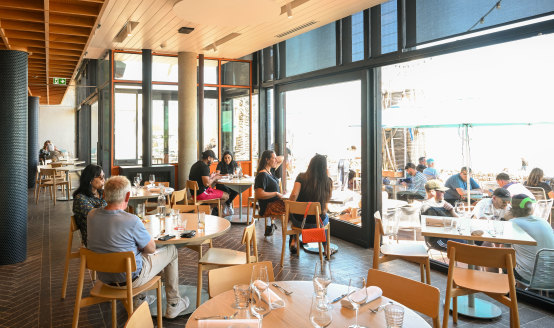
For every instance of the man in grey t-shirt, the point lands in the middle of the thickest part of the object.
(111, 229)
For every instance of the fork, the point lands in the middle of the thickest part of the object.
(282, 289)
(224, 317)
(379, 307)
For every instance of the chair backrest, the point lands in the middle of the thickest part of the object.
(249, 239)
(57, 164)
(494, 257)
(538, 192)
(141, 317)
(223, 279)
(51, 174)
(166, 184)
(193, 208)
(192, 187)
(542, 277)
(109, 262)
(177, 196)
(413, 294)
(543, 209)
(300, 208)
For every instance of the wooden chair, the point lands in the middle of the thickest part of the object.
(193, 208)
(165, 183)
(415, 253)
(113, 263)
(154, 205)
(178, 196)
(192, 186)
(69, 255)
(50, 179)
(253, 203)
(223, 279)
(462, 281)
(413, 294)
(300, 208)
(223, 257)
(141, 318)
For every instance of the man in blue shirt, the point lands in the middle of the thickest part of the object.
(416, 189)
(430, 172)
(457, 186)
(111, 229)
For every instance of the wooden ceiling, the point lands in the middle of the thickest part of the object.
(55, 33)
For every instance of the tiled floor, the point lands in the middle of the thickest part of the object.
(30, 291)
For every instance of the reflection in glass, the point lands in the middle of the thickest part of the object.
(210, 125)
(127, 66)
(311, 51)
(255, 131)
(210, 71)
(165, 122)
(235, 73)
(127, 127)
(331, 115)
(389, 27)
(94, 133)
(165, 69)
(358, 36)
(235, 122)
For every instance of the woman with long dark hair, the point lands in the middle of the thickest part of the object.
(314, 185)
(266, 188)
(224, 168)
(89, 195)
(535, 180)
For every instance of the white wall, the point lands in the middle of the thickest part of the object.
(57, 123)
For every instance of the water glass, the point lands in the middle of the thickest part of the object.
(139, 176)
(242, 296)
(394, 315)
(357, 295)
(201, 221)
(447, 223)
(320, 317)
(322, 278)
(177, 219)
(152, 180)
(136, 182)
(140, 211)
(259, 283)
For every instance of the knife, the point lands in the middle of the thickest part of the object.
(341, 297)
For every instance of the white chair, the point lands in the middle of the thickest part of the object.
(542, 278)
(543, 209)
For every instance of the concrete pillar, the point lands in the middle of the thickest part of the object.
(13, 166)
(188, 116)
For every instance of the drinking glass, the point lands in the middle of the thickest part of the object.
(322, 278)
(319, 317)
(136, 182)
(460, 208)
(242, 296)
(177, 220)
(139, 176)
(152, 180)
(394, 315)
(201, 221)
(357, 295)
(259, 283)
(140, 211)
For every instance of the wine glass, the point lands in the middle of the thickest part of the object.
(357, 295)
(322, 278)
(152, 179)
(136, 182)
(319, 317)
(260, 283)
(139, 176)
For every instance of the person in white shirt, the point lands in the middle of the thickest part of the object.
(515, 188)
(500, 202)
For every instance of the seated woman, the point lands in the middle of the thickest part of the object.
(314, 185)
(89, 195)
(224, 168)
(535, 180)
(266, 188)
(539, 229)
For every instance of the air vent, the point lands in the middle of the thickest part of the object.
(186, 30)
(296, 29)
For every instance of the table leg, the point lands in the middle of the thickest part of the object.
(239, 190)
(67, 197)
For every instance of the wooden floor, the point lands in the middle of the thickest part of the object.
(30, 291)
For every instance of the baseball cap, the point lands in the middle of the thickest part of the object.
(435, 185)
(502, 193)
(430, 160)
(209, 153)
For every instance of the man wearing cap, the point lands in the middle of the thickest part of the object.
(435, 199)
(538, 228)
(430, 172)
(500, 202)
(200, 172)
(503, 180)
(457, 186)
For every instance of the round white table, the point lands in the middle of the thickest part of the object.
(239, 185)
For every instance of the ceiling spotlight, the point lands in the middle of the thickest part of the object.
(289, 10)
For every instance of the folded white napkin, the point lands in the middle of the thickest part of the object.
(230, 323)
(269, 295)
(373, 292)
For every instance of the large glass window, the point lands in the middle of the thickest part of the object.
(165, 69)
(211, 71)
(358, 36)
(255, 131)
(211, 121)
(267, 63)
(127, 124)
(389, 27)
(165, 119)
(127, 66)
(326, 120)
(439, 19)
(235, 122)
(235, 73)
(490, 117)
(311, 51)
(94, 133)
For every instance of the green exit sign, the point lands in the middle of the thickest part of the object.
(59, 80)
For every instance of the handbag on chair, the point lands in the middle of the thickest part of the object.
(314, 235)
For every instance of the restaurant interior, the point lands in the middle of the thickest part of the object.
(144, 88)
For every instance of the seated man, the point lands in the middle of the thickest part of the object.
(111, 229)
(457, 186)
(539, 229)
(435, 205)
(430, 172)
(503, 180)
(500, 202)
(416, 189)
(200, 172)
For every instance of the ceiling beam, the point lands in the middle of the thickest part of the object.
(63, 19)
(83, 9)
(22, 26)
(47, 46)
(24, 35)
(22, 15)
(68, 46)
(69, 30)
(19, 4)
